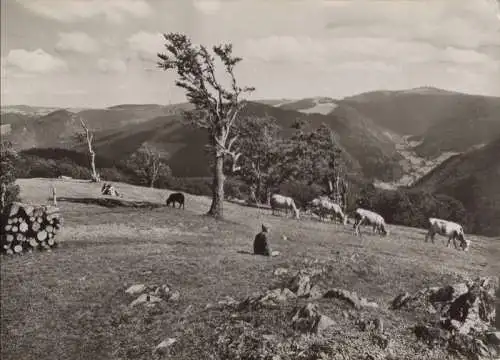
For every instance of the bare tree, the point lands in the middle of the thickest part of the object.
(216, 106)
(88, 136)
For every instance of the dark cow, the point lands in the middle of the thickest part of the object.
(176, 198)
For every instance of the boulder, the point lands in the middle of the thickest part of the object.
(136, 289)
(307, 319)
(300, 284)
(350, 297)
(164, 345)
(280, 271)
(145, 299)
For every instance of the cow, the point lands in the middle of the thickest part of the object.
(176, 198)
(367, 217)
(447, 228)
(279, 202)
(324, 206)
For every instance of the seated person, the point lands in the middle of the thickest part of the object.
(261, 243)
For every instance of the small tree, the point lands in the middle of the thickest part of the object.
(88, 137)
(9, 191)
(314, 156)
(216, 107)
(147, 165)
(262, 155)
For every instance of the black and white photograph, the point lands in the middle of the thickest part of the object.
(250, 180)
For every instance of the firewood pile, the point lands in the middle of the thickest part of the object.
(29, 227)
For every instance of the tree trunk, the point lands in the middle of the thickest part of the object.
(95, 176)
(217, 207)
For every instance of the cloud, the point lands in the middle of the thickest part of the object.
(77, 10)
(207, 7)
(32, 62)
(78, 42)
(111, 65)
(286, 48)
(146, 44)
(457, 23)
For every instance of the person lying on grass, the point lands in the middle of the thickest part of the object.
(261, 243)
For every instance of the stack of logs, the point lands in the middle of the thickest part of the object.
(28, 227)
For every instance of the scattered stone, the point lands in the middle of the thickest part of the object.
(300, 284)
(431, 335)
(272, 298)
(136, 289)
(280, 271)
(308, 319)
(227, 301)
(145, 298)
(174, 296)
(350, 297)
(315, 293)
(164, 345)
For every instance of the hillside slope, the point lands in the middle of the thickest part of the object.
(473, 178)
(76, 293)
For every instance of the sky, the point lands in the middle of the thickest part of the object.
(98, 53)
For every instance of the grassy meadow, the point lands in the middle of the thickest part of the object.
(70, 303)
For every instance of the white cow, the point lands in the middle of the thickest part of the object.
(325, 206)
(367, 217)
(447, 228)
(279, 202)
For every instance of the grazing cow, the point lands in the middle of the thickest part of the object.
(324, 206)
(176, 198)
(447, 228)
(367, 217)
(279, 202)
(108, 189)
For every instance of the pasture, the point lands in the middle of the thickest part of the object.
(70, 303)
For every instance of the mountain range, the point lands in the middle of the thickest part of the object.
(392, 137)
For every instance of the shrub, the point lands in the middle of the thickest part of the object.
(8, 161)
(300, 192)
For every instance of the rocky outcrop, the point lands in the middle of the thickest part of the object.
(465, 312)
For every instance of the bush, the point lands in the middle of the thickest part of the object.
(8, 161)
(195, 186)
(411, 207)
(300, 192)
(235, 189)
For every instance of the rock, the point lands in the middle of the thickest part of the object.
(164, 345)
(272, 298)
(350, 297)
(162, 291)
(145, 298)
(493, 337)
(315, 293)
(300, 284)
(280, 271)
(276, 296)
(431, 335)
(136, 289)
(400, 301)
(275, 253)
(308, 319)
(174, 296)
